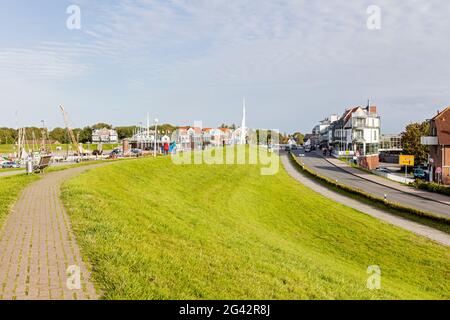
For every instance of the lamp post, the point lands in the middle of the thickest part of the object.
(156, 137)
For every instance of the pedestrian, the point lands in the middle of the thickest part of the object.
(166, 148)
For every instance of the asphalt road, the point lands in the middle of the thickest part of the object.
(323, 167)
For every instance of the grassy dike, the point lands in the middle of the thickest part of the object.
(155, 230)
(11, 186)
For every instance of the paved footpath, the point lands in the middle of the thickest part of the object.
(37, 246)
(11, 173)
(414, 227)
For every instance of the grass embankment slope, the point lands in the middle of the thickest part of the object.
(11, 186)
(155, 230)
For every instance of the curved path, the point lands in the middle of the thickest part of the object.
(414, 227)
(37, 246)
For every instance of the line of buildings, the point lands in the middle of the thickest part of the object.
(105, 136)
(186, 138)
(355, 134)
(189, 137)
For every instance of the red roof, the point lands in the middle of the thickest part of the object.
(442, 121)
(348, 113)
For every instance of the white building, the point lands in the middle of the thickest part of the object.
(104, 136)
(357, 131)
(323, 130)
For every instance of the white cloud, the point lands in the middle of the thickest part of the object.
(318, 46)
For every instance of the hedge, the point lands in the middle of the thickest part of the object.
(433, 187)
(359, 192)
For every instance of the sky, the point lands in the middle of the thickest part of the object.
(295, 61)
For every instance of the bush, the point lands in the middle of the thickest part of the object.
(433, 187)
(359, 192)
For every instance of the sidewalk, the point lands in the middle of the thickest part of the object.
(390, 184)
(37, 246)
(11, 173)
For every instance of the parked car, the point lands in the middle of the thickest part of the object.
(115, 153)
(287, 148)
(136, 151)
(10, 165)
(307, 148)
(420, 173)
(384, 170)
(293, 147)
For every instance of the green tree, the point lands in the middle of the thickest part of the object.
(125, 132)
(8, 135)
(411, 141)
(59, 134)
(101, 125)
(299, 137)
(167, 129)
(85, 135)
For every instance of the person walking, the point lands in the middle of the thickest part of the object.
(166, 148)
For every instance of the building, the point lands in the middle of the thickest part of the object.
(391, 142)
(311, 139)
(439, 144)
(357, 134)
(357, 130)
(323, 130)
(189, 138)
(390, 148)
(104, 136)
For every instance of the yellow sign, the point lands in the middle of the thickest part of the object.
(406, 160)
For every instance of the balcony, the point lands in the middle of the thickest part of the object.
(429, 141)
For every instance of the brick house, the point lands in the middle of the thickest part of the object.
(439, 144)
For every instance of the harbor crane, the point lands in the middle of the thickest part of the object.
(72, 138)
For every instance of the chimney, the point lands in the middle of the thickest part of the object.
(373, 109)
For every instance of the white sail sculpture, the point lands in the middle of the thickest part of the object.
(243, 133)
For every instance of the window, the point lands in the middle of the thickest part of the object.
(372, 148)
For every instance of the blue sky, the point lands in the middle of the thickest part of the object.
(295, 61)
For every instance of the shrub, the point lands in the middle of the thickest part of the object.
(359, 192)
(433, 187)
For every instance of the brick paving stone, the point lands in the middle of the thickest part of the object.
(37, 245)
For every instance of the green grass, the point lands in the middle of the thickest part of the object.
(6, 149)
(11, 169)
(154, 230)
(10, 188)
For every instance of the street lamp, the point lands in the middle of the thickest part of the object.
(156, 136)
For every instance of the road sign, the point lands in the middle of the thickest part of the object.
(438, 170)
(406, 160)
